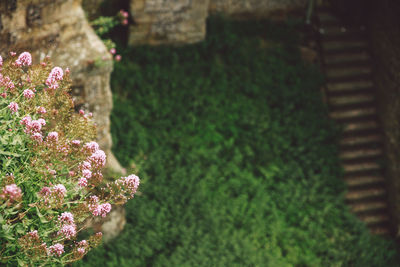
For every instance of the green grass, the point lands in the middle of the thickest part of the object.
(237, 157)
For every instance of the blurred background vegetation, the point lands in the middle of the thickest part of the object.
(237, 157)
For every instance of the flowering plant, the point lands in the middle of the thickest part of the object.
(103, 25)
(51, 180)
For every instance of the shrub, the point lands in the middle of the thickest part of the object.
(241, 156)
(50, 177)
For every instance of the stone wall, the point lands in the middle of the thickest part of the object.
(168, 21)
(253, 8)
(184, 21)
(58, 28)
(384, 25)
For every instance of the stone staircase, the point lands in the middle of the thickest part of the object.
(350, 95)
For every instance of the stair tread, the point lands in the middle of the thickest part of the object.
(356, 98)
(361, 166)
(360, 153)
(361, 139)
(353, 113)
(347, 57)
(369, 206)
(380, 230)
(360, 126)
(348, 71)
(375, 218)
(360, 194)
(364, 180)
(340, 86)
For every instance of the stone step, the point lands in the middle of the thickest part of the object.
(375, 218)
(369, 206)
(339, 72)
(346, 86)
(368, 125)
(361, 139)
(334, 32)
(354, 154)
(344, 46)
(366, 166)
(327, 17)
(346, 58)
(353, 99)
(363, 194)
(364, 180)
(353, 113)
(381, 230)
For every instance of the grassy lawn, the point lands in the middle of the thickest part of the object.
(237, 157)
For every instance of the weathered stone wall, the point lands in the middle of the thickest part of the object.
(184, 21)
(384, 25)
(253, 8)
(168, 21)
(58, 28)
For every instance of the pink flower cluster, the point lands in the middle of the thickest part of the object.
(55, 75)
(56, 250)
(28, 94)
(6, 82)
(82, 247)
(54, 194)
(52, 137)
(131, 183)
(11, 192)
(13, 107)
(32, 126)
(125, 16)
(24, 59)
(41, 110)
(98, 209)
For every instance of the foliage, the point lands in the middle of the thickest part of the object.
(240, 154)
(50, 174)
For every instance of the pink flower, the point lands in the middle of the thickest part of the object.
(25, 59)
(83, 243)
(124, 13)
(76, 142)
(81, 250)
(87, 174)
(56, 250)
(102, 210)
(125, 22)
(25, 120)
(131, 182)
(82, 182)
(45, 191)
(68, 230)
(52, 137)
(81, 112)
(85, 165)
(13, 107)
(41, 110)
(12, 192)
(56, 74)
(118, 57)
(71, 173)
(37, 137)
(67, 71)
(3, 95)
(91, 146)
(1, 61)
(28, 94)
(59, 189)
(53, 172)
(66, 218)
(98, 159)
(113, 51)
(34, 234)
(12, 53)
